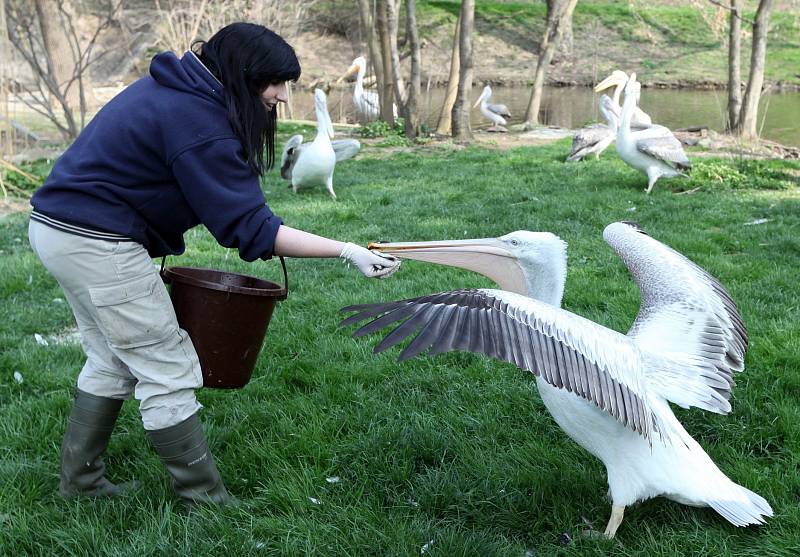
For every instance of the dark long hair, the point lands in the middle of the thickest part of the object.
(247, 58)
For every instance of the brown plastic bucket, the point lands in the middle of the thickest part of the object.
(226, 316)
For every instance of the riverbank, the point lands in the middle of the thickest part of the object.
(676, 44)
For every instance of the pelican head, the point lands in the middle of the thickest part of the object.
(528, 263)
(617, 78)
(610, 109)
(323, 117)
(487, 92)
(633, 87)
(358, 65)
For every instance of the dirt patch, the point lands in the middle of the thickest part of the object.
(13, 205)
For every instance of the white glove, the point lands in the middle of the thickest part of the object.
(371, 264)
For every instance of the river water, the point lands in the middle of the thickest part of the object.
(573, 107)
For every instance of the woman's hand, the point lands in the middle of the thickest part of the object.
(368, 262)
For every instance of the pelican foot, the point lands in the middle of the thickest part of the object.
(497, 129)
(617, 514)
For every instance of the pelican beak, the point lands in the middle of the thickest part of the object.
(478, 101)
(350, 71)
(608, 82)
(488, 256)
(614, 109)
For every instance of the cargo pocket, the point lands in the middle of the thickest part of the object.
(134, 313)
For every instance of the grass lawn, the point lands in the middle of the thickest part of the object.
(456, 451)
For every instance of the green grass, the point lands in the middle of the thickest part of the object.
(457, 449)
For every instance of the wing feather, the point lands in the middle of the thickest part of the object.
(686, 317)
(345, 148)
(547, 341)
(659, 142)
(289, 155)
(500, 110)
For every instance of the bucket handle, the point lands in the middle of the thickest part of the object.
(283, 266)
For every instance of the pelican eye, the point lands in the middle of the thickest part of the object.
(514, 242)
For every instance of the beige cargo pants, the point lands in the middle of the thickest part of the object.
(128, 328)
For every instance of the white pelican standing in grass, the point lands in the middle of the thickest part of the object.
(312, 164)
(496, 113)
(618, 79)
(594, 139)
(367, 103)
(608, 391)
(654, 151)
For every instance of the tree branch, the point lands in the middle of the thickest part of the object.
(735, 12)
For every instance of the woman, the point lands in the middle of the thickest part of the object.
(183, 146)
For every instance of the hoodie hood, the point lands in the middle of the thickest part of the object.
(187, 74)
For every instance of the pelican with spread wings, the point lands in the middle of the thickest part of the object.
(609, 391)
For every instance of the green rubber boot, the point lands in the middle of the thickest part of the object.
(183, 450)
(88, 431)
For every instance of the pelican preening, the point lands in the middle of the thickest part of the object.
(654, 151)
(496, 113)
(618, 79)
(608, 391)
(367, 103)
(312, 164)
(594, 139)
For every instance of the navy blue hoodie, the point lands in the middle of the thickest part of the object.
(158, 159)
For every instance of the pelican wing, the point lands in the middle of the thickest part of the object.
(659, 142)
(588, 137)
(371, 102)
(687, 317)
(500, 110)
(566, 350)
(289, 155)
(345, 148)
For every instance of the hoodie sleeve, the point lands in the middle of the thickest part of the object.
(226, 196)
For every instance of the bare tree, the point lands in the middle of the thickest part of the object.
(460, 116)
(184, 21)
(734, 65)
(743, 114)
(565, 45)
(444, 126)
(45, 35)
(746, 125)
(60, 57)
(398, 84)
(559, 12)
(384, 38)
(368, 32)
(413, 124)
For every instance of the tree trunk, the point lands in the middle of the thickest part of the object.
(60, 58)
(560, 13)
(461, 127)
(749, 114)
(387, 97)
(564, 47)
(399, 87)
(734, 65)
(444, 127)
(371, 39)
(413, 125)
